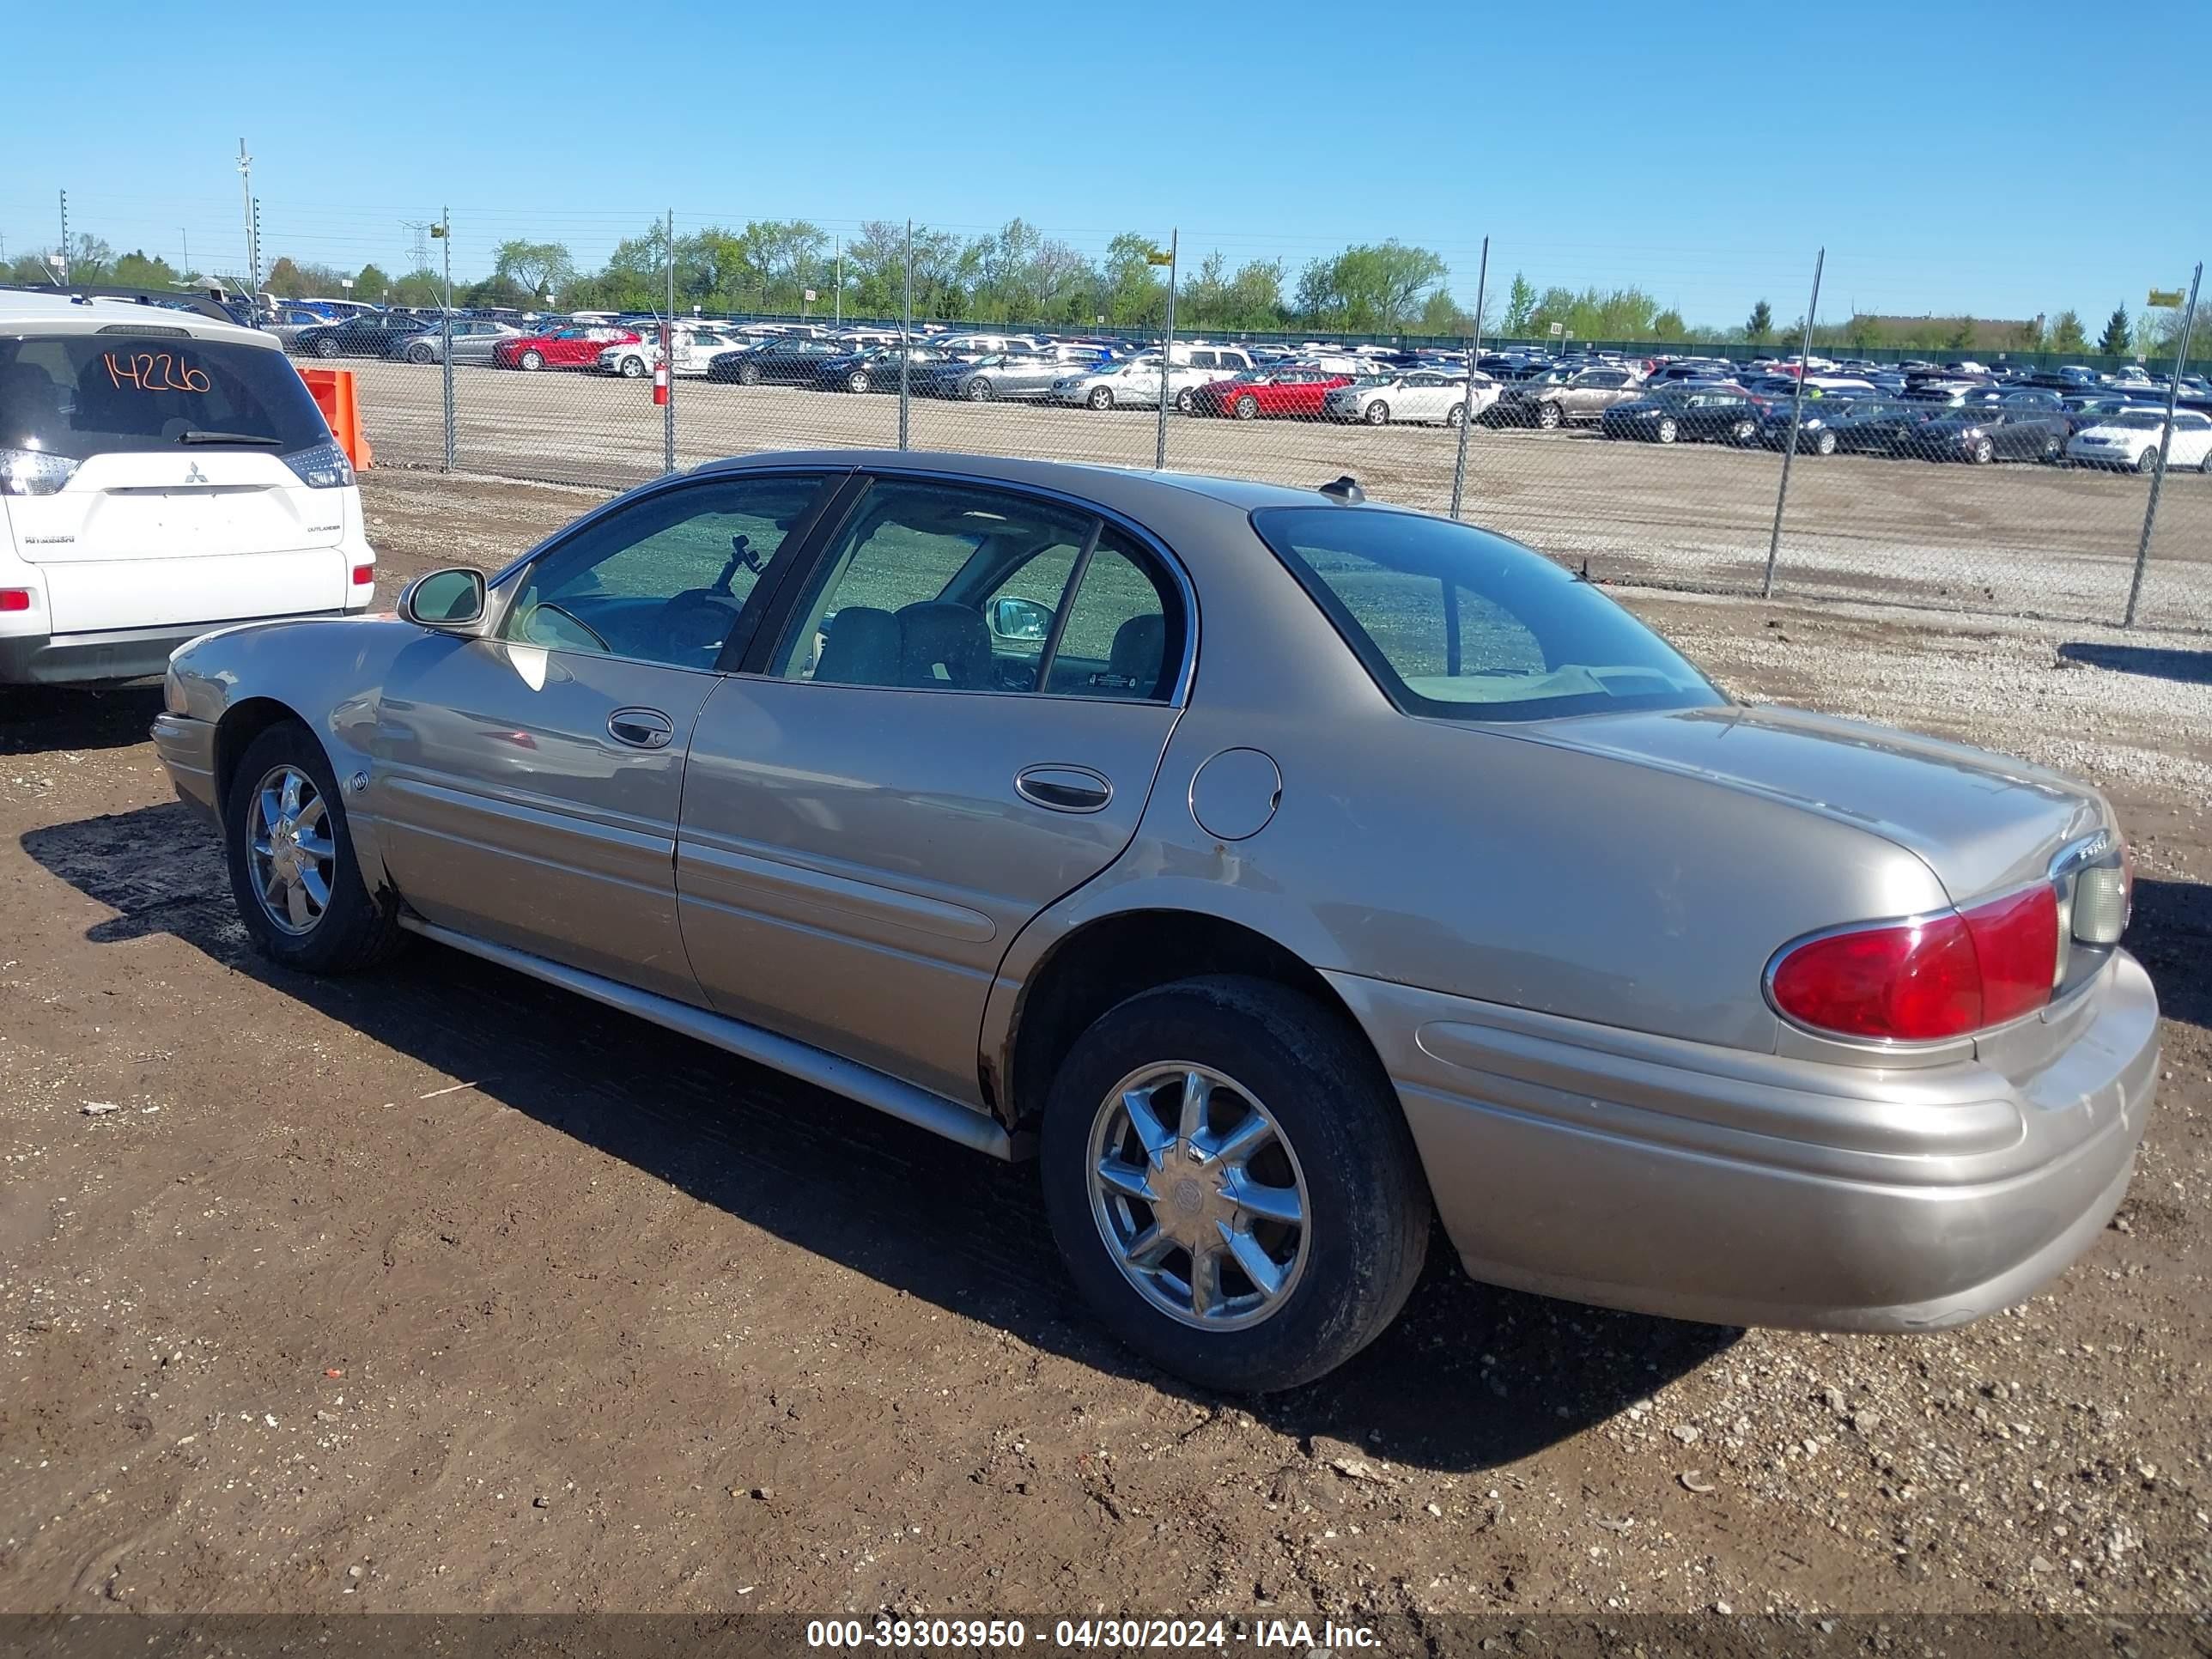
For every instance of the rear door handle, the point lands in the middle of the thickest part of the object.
(640, 728)
(1064, 788)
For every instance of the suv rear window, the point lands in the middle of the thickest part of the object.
(1457, 623)
(82, 395)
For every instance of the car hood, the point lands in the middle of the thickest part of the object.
(1982, 821)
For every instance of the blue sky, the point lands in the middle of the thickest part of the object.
(1596, 142)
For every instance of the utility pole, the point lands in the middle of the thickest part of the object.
(443, 230)
(185, 235)
(64, 238)
(837, 300)
(256, 246)
(246, 186)
(1167, 355)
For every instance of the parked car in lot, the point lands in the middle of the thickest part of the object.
(1573, 399)
(789, 360)
(1821, 422)
(475, 339)
(1673, 413)
(2129, 438)
(822, 733)
(157, 480)
(875, 369)
(1013, 375)
(2025, 425)
(693, 348)
(560, 348)
(1290, 391)
(364, 334)
(1430, 395)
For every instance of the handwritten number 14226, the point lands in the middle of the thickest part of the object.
(154, 371)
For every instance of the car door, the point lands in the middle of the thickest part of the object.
(953, 719)
(527, 782)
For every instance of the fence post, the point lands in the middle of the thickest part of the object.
(1466, 400)
(905, 333)
(2165, 445)
(1796, 414)
(668, 359)
(1167, 358)
(446, 352)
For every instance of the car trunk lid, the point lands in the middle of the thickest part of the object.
(1983, 823)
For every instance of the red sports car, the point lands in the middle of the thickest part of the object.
(1291, 391)
(564, 348)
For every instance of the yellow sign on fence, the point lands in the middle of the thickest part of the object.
(2164, 297)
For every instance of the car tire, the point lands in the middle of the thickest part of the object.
(350, 929)
(633, 368)
(857, 381)
(1377, 413)
(419, 353)
(1186, 402)
(1247, 407)
(326, 346)
(748, 375)
(1335, 1152)
(977, 390)
(533, 359)
(1456, 415)
(1101, 398)
(1744, 431)
(1549, 416)
(2148, 461)
(1668, 431)
(2205, 465)
(1824, 444)
(1983, 453)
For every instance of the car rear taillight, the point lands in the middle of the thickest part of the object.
(14, 599)
(363, 575)
(1926, 978)
(323, 467)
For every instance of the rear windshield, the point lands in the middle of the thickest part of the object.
(82, 395)
(1456, 623)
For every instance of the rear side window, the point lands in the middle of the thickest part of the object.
(1457, 623)
(82, 395)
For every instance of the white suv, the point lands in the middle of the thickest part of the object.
(162, 474)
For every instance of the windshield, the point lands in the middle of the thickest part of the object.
(82, 395)
(2138, 420)
(1457, 623)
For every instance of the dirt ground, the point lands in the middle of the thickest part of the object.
(439, 1289)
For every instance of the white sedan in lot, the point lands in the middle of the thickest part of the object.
(1418, 394)
(695, 346)
(2128, 439)
(1134, 383)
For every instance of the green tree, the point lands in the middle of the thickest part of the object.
(371, 284)
(535, 268)
(1372, 287)
(418, 287)
(2066, 333)
(1668, 325)
(138, 269)
(1760, 326)
(1132, 294)
(1520, 307)
(1863, 331)
(1440, 315)
(1960, 336)
(2115, 339)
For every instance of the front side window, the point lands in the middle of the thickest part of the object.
(668, 580)
(1457, 623)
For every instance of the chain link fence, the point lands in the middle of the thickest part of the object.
(1657, 465)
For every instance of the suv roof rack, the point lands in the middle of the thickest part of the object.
(169, 298)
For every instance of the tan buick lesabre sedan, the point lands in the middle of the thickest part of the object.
(1282, 869)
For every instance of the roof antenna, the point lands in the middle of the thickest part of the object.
(1345, 491)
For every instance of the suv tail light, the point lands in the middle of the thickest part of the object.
(1927, 977)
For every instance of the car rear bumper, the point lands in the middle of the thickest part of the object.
(109, 657)
(1674, 1178)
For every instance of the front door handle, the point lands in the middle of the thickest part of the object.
(640, 728)
(1064, 788)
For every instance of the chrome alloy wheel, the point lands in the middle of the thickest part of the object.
(290, 850)
(1198, 1195)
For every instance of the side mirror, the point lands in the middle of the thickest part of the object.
(1022, 620)
(451, 600)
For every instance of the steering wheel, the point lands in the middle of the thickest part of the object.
(566, 615)
(698, 619)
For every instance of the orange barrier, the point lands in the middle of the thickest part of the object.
(335, 394)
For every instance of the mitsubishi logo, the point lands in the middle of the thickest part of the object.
(193, 475)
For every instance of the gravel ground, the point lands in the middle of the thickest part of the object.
(2016, 538)
(441, 1290)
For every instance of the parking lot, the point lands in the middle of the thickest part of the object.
(2016, 538)
(439, 1288)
